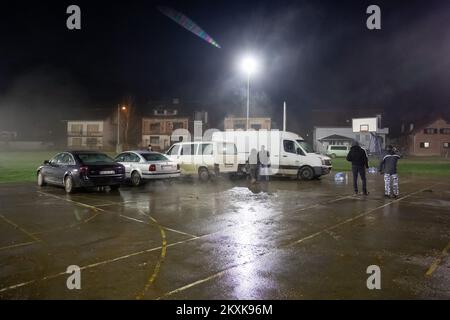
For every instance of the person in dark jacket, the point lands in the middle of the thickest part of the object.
(388, 166)
(358, 157)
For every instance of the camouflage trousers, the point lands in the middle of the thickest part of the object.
(387, 183)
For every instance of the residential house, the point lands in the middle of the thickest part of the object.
(235, 123)
(158, 129)
(430, 139)
(91, 133)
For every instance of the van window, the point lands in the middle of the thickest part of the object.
(188, 149)
(227, 148)
(344, 148)
(289, 146)
(206, 149)
(173, 151)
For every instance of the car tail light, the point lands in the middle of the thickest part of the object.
(152, 167)
(84, 170)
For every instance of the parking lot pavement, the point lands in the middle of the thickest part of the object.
(284, 239)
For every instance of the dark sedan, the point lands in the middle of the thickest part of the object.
(79, 169)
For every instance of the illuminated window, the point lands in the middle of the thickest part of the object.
(425, 145)
(446, 145)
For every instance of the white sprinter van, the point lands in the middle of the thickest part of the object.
(205, 158)
(289, 154)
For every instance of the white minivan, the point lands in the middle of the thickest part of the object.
(289, 154)
(205, 158)
(337, 150)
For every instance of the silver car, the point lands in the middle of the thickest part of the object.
(147, 165)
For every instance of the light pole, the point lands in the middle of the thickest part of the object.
(124, 108)
(249, 66)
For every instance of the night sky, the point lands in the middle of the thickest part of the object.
(316, 54)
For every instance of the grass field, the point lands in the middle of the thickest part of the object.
(20, 166)
(430, 166)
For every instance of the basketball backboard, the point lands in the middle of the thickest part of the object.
(365, 124)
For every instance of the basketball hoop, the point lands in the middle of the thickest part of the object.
(364, 128)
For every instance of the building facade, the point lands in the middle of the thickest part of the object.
(432, 139)
(164, 128)
(325, 136)
(90, 134)
(233, 123)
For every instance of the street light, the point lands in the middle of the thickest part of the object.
(123, 108)
(249, 65)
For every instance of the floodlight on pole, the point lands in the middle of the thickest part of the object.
(249, 66)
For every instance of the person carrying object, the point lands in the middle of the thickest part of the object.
(358, 157)
(388, 167)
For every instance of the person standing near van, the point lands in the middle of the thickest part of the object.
(358, 157)
(263, 163)
(253, 165)
(388, 166)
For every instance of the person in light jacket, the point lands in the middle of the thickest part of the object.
(388, 167)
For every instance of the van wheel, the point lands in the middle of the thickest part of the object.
(333, 155)
(41, 180)
(203, 174)
(135, 178)
(68, 184)
(306, 173)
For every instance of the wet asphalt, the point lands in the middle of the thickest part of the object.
(283, 239)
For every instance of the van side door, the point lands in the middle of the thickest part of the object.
(290, 160)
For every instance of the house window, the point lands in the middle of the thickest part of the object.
(91, 142)
(446, 145)
(177, 125)
(445, 131)
(93, 129)
(154, 140)
(76, 142)
(430, 131)
(155, 127)
(256, 126)
(76, 128)
(425, 145)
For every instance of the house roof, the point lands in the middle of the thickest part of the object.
(335, 137)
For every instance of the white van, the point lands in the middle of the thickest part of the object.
(289, 154)
(205, 158)
(337, 151)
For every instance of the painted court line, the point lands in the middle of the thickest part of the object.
(93, 265)
(16, 226)
(18, 245)
(325, 230)
(438, 261)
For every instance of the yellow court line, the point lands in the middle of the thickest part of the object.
(70, 200)
(162, 256)
(216, 275)
(438, 261)
(18, 245)
(16, 226)
(93, 265)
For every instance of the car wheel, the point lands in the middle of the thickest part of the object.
(305, 173)
(114, 187)
(333, 155)
(135, 178)
(68, 184)
(41, 179)
(203, 174)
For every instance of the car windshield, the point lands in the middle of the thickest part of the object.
(154, 157)
(306, 146)
(92, 158)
